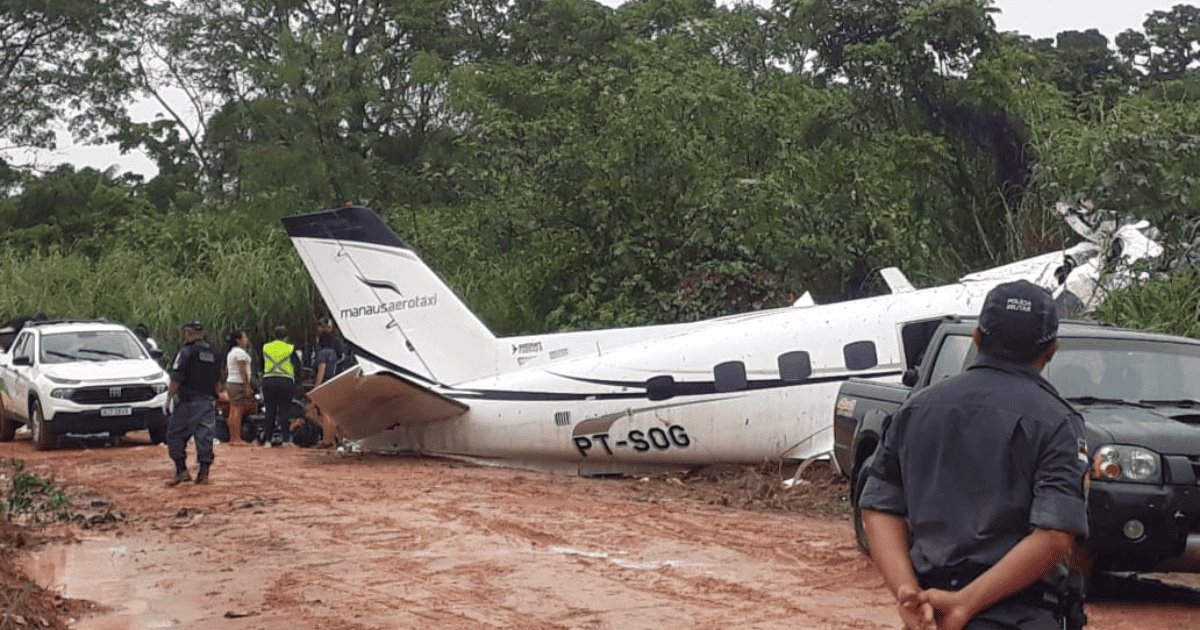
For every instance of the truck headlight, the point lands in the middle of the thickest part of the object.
(62, 392)
(1127, 463)
(159, 388)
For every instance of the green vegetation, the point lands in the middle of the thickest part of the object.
(33, 496)
(1168, 305)
(566, 165)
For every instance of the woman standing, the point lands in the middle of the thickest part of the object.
(238, 383)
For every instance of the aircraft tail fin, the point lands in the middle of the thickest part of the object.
(387, 301)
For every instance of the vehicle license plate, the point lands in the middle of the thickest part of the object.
(108, 412)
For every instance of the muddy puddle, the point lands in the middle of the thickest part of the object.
(109, 572)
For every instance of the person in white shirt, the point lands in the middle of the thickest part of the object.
(238, 383)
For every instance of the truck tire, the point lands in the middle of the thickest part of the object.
(44, 438)
(8, 428)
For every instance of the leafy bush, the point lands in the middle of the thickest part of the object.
(33, 496)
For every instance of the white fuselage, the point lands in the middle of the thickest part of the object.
(750, 388)
(589, 406)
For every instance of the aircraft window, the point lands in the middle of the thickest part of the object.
(730, 376)
(951, 357)
(794, 366)
(660, 387)
(860, 355)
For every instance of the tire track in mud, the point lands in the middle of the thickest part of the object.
(723, 600)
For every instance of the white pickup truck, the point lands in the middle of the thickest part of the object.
(80, 377)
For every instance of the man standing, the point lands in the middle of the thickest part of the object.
(281, 367)
(986, 473)
(143, 335)
(325, 331)
(195, 383)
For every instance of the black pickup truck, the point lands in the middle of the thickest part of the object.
(1139, 394)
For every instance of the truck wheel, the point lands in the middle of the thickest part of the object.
(43, 437)
(8, 428)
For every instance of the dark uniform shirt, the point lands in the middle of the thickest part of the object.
(197, 367)
(328, 356)
(976, 461)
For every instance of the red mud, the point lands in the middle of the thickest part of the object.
(294, 538)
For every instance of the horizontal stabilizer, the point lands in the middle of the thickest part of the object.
(363, 405)
(805, 301)
(896, 281)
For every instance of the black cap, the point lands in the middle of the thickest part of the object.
(1019, 315)
(194, 325)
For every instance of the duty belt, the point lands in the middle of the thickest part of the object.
(1039, 594)
(186, 395)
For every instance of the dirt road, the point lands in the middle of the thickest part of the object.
(293, 538)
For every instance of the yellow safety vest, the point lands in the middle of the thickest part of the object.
(277, 359)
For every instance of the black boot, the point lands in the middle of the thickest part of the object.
(202, 476)
(180, 477)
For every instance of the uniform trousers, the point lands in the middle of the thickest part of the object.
(277, 396)
(194, 418)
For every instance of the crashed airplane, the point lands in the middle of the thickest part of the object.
(432, 379)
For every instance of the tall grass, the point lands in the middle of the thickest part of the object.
(253, 284)
(1170, 305)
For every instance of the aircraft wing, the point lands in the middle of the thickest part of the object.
(366, 404)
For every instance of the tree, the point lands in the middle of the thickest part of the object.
(61, 57)
(1169, 45)
(349, 91)
(69, 208)
(1086, 66)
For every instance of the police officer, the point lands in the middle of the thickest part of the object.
(985, 472)
(281, 370)
(195, 382)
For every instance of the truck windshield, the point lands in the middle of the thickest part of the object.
(1125, 369)
(103, 345)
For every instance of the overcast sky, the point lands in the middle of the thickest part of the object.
(1039, 18)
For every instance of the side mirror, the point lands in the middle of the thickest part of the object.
(156, 354)
(22, 360)
(910, 378)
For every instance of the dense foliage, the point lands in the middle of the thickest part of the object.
(567, 165)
